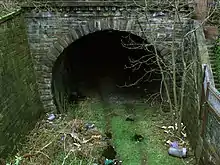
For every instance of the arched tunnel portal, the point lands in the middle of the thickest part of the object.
(105, 62)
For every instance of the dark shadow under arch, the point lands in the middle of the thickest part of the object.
(101, 55)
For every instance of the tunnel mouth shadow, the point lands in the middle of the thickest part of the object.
(106, 62)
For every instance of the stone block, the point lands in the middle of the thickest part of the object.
(63, 42)
(44, 86)
(50, 108)
(79, 32)
(123, 24)
(46, 98)
(97, 25)
(85, 28)
(59, 47)
(104, 24)
(91, 26)
(45, 91)
(48, 103)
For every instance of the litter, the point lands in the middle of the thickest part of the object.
(174, 144)
(177, 152)
(89, 126)
(159, 14)
(109, 162)
(51, 117)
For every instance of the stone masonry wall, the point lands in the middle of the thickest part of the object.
(20, 106)
(51, 31)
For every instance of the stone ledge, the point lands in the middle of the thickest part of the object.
(68, 3)
(92, 3)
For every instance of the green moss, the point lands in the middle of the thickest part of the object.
(151, 148)
(20, 106)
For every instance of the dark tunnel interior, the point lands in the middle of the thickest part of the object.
(98, 62)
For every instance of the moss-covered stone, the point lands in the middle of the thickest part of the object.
(20, 106)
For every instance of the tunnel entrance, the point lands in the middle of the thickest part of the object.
(104, 63)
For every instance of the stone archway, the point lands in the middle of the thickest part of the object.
(63, 42)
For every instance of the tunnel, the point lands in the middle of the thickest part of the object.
(106, 62)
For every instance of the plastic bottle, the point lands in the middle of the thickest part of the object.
(178, 152)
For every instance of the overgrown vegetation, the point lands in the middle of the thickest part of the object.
(179, 67)
(214, 16)
(8, 6)
(20, 106)
(45, 147)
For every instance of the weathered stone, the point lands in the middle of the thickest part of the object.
(44, 74)
(59, 47)
(78, 31)
(46, 68)
(97, 25)
(74, 34)
(45, 81)
(48, 62)
(45, 91)
(104, 24)
(68, 39)
(50, 108)
(53, 54)
(44, 86)
(123, 24)
(63, 42)
(116, 24)
(85, 28)
(48, 103)
(110, 23)
(129, 25)
(91, 26)
(19, 110)
(81, 23)
(46, 97)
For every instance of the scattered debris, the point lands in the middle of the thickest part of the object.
(71, 137)
(177, 152)
(51, 117)
(82, 139)
(169, 130)
(89, 126)
(174, 144)
(112, 162)
(109, 162)
(138, 138)
(159, 14)
(177, 145)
